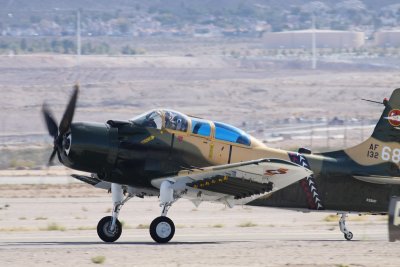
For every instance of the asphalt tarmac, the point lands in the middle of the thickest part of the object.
(61, 232)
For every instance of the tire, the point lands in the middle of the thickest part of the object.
(103, 229)
(348, 236)
(162, 229)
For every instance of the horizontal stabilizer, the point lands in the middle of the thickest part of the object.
(378, 179)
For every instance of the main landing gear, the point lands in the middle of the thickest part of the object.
(109, 228)
(162, 228)
(342, 225)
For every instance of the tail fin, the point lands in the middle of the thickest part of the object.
(388, 127)
(383, 147)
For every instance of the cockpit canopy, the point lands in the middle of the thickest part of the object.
(151, 119)
(168, 119)
(173, 120)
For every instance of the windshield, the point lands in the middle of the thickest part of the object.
(151, 119)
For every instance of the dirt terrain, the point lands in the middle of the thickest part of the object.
(256, 94)
(116, 87)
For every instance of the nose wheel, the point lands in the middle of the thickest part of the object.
(348, 236)
(162, 229)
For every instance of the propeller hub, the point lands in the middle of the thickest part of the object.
(67, 143)
(61, 133)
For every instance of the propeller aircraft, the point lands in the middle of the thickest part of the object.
(171, 155)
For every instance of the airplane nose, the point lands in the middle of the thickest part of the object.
(88, 146)
(66, 144)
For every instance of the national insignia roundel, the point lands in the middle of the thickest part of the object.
(394, 117)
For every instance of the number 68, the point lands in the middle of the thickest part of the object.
(389, 154)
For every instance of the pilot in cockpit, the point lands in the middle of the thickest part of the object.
(175, 121)
(169, 121)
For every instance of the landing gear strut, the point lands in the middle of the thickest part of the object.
(342, 225)
(162, 228)
(109, 228)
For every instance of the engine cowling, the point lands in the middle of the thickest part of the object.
(91, 147)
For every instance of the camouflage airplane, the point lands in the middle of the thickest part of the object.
(171, 155)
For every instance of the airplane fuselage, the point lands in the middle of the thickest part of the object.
(128, 154)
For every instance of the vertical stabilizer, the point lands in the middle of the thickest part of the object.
(388, 127)
(383, 147)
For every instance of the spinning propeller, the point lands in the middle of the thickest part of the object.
(59, 133)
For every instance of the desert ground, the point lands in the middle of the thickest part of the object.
(268, 99)
(257, 99)
(48, 219)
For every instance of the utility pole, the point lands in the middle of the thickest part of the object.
(314, 45)
(78, 44)
(78, 34)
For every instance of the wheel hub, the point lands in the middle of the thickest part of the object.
(163, 229)
(107, 229)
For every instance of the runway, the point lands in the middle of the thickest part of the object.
(210, 235)
(206, 247)
(209, 249)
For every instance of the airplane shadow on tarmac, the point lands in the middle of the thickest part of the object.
(74, 243)
(151, 243)
(322, 240)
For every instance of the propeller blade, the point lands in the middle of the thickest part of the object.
(53, 154)
(69, 112)
(50, 121)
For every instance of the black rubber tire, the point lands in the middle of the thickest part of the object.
(348, 236)
(104, 234)
(153, 229)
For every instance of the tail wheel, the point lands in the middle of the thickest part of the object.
(162, 229)
(348, 236)
(104, 231)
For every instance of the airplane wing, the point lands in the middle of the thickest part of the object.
(98, 183)
(236, 183)
(93, 180)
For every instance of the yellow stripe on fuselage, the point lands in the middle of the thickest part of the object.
(148, 139)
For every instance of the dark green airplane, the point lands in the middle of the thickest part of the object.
(171, 155)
